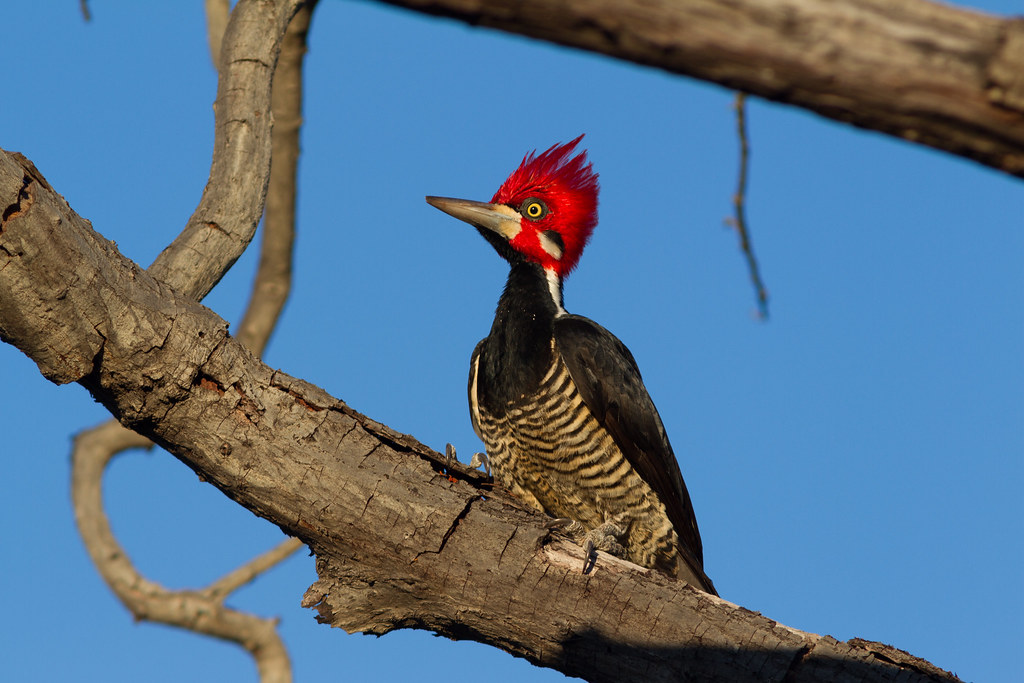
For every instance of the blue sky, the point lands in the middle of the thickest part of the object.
(856, 463)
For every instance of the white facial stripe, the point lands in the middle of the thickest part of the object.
(550, 246)
(555, 287)
(510, 227)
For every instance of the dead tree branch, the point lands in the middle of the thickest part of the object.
(225, 221)
(398, 544)
(932, 74)
(274, 275)
(203, 611)
(200, 611)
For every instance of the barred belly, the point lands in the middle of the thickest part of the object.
(551, 451)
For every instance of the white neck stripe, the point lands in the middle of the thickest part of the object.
(555, 287)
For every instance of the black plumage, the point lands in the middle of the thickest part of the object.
(554, 397)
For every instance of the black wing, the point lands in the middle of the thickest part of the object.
(608, 379)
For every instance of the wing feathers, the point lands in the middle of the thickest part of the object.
(608, 379)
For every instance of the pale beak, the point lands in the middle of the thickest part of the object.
(497, 218)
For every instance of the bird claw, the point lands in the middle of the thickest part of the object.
(481, 459)
(574, 530)
(589, 556)
(607, 537)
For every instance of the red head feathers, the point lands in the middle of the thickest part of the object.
(556, 193)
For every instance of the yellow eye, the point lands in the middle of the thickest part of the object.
(533, 208)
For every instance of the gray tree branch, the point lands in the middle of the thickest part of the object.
(398, 544)
(932, 74)
(203, 611)
(225, 221)
(200, 611)
(274, 274)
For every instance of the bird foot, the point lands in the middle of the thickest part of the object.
(479, 460)
(607, 537)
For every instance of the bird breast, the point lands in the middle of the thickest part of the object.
(549, 449)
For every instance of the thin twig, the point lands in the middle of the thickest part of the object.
(229, 583)
(739, 219)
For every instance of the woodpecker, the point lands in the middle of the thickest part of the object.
(557, 399)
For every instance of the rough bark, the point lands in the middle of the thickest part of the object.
(949, 78)
(399, 543)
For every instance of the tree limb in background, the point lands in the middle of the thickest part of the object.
(203, 611)
(274, 275)
(398, 543)
(217, 13)
(225, 221)
(739, 219)
(932, 74)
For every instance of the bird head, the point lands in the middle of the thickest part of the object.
(543, 213)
